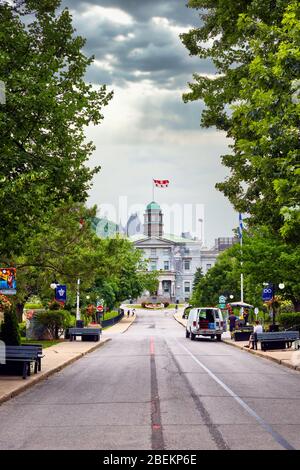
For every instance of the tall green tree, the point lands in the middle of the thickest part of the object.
(255, 49)
(48, 104)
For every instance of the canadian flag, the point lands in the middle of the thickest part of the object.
(161, 183)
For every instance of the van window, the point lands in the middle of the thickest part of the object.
(207, 314)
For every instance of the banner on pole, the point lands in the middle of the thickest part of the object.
(8, 283)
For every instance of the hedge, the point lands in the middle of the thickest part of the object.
(287, 320)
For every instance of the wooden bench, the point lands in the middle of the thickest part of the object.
(23, 355)
(87, 334)
(275, 339)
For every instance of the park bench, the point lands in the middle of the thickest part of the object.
(23, 355)
(87, 334)
(39, 350)
(276, 339)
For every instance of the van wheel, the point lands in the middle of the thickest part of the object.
(187, 334)
(193, 336)
(212, 336)
(219, 337)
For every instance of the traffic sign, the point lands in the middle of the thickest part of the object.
(100, 308)
(256, 311)
(222, 299)
(267, 293)
(222, 305)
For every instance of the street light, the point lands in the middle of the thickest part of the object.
(231, 296)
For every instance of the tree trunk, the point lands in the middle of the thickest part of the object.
(296, 303)
(19, 311)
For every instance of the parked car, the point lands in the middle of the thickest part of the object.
(205, 321)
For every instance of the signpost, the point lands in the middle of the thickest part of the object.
(222, 301)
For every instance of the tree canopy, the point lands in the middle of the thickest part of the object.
(48, 104)
(253, 98)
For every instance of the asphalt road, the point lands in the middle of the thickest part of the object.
(151, 388)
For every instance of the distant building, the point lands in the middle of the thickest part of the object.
(134, 225)
(175, 258)
(105, 228)
(223, 243)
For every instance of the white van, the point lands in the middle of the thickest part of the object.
(205, 321)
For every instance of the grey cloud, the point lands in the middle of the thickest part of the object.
(143, 9)
(150, 48)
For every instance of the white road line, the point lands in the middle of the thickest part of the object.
(278, 438)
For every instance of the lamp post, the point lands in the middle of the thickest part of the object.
(274, 287)
(77, 300)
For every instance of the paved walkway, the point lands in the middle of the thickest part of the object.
(286, 357)
(57, 357)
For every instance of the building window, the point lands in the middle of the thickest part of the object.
(187, 287)
(166, 265)
(153, 251)
(153, 266)
(187, 264)
(208, 266)
(166, 251)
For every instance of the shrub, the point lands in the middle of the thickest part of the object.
(166, 304)
(10, 328)
(143, 304)
(32, 306)
(287, 320)
(54, 321)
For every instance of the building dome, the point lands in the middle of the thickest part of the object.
(153, 206)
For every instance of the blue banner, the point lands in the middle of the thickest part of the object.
(61, 293)
(267, 293)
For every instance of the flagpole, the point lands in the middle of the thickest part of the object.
(152, 189)
(242, 274)
(241, 246)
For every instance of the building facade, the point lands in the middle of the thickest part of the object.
(175, 258)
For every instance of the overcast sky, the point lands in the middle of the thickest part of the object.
(148, 130)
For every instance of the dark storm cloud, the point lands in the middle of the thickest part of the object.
(143, 47)
(142, 10)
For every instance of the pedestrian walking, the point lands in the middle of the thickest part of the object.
(133, 312)
(128, 313)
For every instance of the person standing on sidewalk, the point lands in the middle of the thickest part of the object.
(133, 312)
(232, 322)
(128, 313)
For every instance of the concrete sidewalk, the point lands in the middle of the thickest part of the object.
(286, 357)
(57, 357)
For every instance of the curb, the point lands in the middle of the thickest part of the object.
(127, 328)
(178, 320)
(282, 362)
(45, 375)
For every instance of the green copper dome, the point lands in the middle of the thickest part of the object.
(153, 206)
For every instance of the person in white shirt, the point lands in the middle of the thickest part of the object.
(252, 340)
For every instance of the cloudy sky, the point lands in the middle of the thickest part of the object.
(148, 130)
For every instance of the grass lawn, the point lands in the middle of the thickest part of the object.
(110, 315)
(44, 343)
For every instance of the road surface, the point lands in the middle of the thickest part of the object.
(151, 388)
